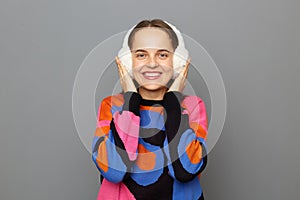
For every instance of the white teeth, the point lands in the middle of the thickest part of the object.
(151, 74)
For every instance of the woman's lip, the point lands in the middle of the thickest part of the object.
(151, 77)
(151, 72)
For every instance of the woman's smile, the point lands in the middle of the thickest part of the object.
(152, 75)
(152, 78)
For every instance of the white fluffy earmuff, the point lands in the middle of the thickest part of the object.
(179, 59)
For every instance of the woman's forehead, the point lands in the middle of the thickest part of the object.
(151, 38)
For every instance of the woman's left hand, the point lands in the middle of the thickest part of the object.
(180, 81)
(125, 79)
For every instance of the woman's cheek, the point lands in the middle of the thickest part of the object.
(137, 76)
(168, 69)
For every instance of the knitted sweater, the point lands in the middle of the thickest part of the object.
(150, 149)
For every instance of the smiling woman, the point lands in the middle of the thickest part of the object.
(152, 59)
(149, 141)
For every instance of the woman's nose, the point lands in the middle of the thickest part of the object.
(152, 61)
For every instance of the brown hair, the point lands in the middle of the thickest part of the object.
(154, 23)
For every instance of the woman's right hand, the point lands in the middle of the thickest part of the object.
(125, 79)
(180, 81)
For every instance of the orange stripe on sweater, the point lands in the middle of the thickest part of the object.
(100, 131)
(194, 152)
(145, 159)
(102, 159)
(199, 130)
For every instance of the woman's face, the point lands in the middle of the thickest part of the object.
(152, 58)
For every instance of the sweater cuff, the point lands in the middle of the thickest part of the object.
(132, 102)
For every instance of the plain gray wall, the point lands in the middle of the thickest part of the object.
(254, 43)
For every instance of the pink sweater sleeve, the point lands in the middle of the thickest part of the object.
(115, 140)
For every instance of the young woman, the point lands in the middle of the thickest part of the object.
(150, 138)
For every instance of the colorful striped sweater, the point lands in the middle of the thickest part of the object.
(150, 149)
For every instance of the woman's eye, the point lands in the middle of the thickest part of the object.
(163, 55)
(140, 55)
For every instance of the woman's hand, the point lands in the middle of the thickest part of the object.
(180, 81)
(125, 79)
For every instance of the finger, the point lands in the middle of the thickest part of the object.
(121, 76)
(183, 71)
(124, 70)
(120, 69)
(186, 72)
(187, 67)
(120, 72)
(117, 59)
(121, 81)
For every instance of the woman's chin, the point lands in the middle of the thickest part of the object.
(153, 87)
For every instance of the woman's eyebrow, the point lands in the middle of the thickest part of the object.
(140, 50)
(160, 50)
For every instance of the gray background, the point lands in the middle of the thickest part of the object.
(254, 43)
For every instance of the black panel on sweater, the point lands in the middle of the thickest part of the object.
(160, 190)
(153, 136)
